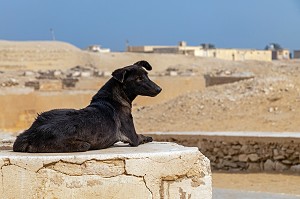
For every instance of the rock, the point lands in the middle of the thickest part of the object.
(254, 167)
(230, 164)
(29, 73)
(57, 73)
(33, 84)
(244, 148)
(289, 151)
(86, 74)
(253, 157)
(173, 73)
(242, 164)
(228, 157)
(281, 167)
(237, 147)
(232, 151)
(269, 165)
(220, 154)
(106, 74)
(212, 158)
(235, 169)
(215, 150)
(69, 82)
(275, 152)
(295, 168)
(235, 158)
(76, 74)
(243, 158)
(287, 162)
(99, 73)
(279, 157)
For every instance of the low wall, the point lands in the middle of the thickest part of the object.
(153, 170)
(243, 151)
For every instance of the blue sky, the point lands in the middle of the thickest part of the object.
(227, 24)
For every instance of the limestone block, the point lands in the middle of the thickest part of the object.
(153, 170)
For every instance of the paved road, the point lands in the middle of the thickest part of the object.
(237, 194)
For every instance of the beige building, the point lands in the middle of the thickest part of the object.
(281, 54)
(236, 54)
(202, 51)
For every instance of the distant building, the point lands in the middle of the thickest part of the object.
(236, 54)
(278, 53)
(207, 50)
(97, 48)
(296, 54)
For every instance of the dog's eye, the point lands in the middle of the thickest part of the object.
(139, 78)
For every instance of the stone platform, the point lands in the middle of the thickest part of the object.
(154, 170)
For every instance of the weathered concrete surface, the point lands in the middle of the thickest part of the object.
(153, 170)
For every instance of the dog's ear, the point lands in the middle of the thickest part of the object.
(144, 64)
(119, 74)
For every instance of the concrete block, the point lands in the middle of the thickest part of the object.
(153, 170)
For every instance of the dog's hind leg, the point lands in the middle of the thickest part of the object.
(76, 146)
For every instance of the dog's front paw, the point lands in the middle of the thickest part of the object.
(146, 139)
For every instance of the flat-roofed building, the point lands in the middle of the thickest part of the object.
(207, 50)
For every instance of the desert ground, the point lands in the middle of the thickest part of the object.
(270, 101)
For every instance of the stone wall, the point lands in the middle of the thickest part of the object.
(253, 152)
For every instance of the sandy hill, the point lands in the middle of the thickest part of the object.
(38, 55)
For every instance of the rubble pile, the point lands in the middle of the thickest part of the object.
(260, 103)
(34, 79)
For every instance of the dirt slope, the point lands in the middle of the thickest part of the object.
(269, 102)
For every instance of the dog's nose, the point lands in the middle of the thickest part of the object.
(158, 89)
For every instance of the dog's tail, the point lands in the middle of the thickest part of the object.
(21, 144)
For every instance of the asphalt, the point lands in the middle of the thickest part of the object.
(240, 194)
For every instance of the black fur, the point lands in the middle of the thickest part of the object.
(104, 122)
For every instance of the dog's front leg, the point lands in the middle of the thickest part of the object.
(131, 136)
(139, 139)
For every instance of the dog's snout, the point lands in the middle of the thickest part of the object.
(158, 89)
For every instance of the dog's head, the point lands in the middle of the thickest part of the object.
(135, 79)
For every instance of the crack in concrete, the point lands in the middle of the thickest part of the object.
(147, 186)
(48, 166)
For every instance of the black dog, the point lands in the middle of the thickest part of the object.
(104, 122)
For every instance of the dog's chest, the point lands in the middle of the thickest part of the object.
(125, 126)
